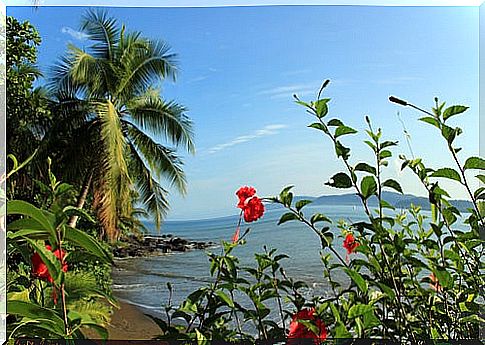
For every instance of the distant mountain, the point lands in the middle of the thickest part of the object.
(395, 199)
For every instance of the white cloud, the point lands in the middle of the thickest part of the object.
(265, 131)
(288, 91)
(295, 72)
(81, 36)
(197, 79)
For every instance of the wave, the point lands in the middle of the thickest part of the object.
(144, 306)
(128, 286)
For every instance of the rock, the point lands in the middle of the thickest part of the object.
(153, 245)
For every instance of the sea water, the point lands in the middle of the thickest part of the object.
(143, 281)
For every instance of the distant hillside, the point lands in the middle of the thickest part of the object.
(395, 199)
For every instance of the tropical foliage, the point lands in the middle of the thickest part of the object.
(61, 301)
(108, 107)
(409, 277)
(98, 125)
(27, 107)
(104, 127)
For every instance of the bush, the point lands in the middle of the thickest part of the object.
(410, 277)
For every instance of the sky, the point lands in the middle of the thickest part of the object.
(239, 67)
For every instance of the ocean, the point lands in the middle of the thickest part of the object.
(143, 281)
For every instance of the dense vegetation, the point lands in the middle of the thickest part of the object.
(83, 158)
(410, 278)
(93, 124)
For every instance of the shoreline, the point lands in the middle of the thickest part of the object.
(129, 322)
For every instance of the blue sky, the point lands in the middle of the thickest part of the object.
(239, 67)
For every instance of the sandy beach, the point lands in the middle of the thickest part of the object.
(129, 323)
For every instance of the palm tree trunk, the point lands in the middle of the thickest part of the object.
(82, 198)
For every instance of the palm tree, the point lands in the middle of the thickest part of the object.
(109, 113)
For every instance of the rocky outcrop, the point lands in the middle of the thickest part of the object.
(155, 245)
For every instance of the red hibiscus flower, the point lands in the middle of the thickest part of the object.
(39, 268)
(243, 194)
(350, 243)
(253, 210)
(300, 331)
(252, 207)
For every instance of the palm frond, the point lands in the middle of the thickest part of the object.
(61, 81)
(151, 194)
(25, 69)
(113, 185)
(151, 113)
(103, 30)
(163, 162)
(92, 73)
(142, 67)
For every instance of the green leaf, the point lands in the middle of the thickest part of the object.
(359, 310)
(26, 223)
(71, 210)
(53, 264)
(449, 173)
(335, 123)
(445, 279)
(450, 133)
(358, 279)
(302, 203)
(368, 186)
(341, 150)
(371, 320)
(431, 121)
(393, 184)
(385, 204)
(321, 107)
(286, 197)
(34, 311)
(29, 233)
(344, 130)
(474, 163)
(388, 143)
(305, 104)
(319, 126)
(472, 319)
(225, 298)
(371, 145)
(453, 110)
(341, 331)
(86, 242)
(287, 217)
(340, 180)
(385, 154)
(478, 192)
(365, 167)
(481, 178)
(29, 210)
(201, 339)
(318, 217)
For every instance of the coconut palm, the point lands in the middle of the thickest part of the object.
(113, 129)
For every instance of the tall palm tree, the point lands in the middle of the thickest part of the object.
(109, 115)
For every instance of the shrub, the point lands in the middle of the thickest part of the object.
(410, 277)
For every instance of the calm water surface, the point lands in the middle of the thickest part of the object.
(143, 281)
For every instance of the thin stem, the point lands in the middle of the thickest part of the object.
(302, 219)
(455, 240)
(236, 317)
(465, 183)
(215, 285)
(278, 298)
(62, 287)
(371, 218)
